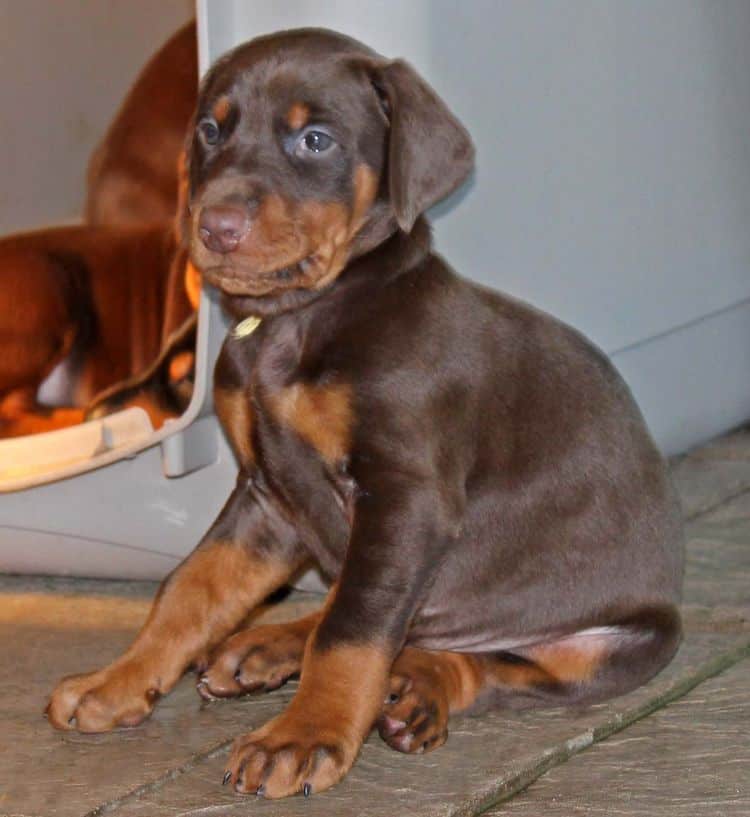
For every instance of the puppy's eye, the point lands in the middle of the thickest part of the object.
(209, 130)
(314, 141)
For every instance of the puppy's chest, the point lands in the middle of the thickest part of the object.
(279, 391)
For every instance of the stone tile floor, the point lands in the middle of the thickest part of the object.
(678, 746)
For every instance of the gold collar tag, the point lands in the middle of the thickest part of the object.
(246, 327)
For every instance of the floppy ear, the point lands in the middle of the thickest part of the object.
(430, 152)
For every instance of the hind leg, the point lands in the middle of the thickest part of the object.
(580, 668)
(37, 331)
(425, 687)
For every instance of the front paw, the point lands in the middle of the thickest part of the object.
(290, 755)
(102, 701)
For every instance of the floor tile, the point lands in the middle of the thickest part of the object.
(483, 757)
(690, 759)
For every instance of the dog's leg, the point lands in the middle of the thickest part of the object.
(581, 668)
(398, 525)
(425, 688)
(263, 657)
(38, 329)
(586, 666)
(249, 551)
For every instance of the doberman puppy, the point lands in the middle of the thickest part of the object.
(472, 475)
(105, 298)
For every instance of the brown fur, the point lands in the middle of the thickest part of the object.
(321, 415)
(342, 692)
(471, 475)
(132, 177)
(94, 296)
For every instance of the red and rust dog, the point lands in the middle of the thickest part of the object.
(472, 475)
(104, 298)
(131, 178)
(98, 301)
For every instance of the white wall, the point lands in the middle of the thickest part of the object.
(613, 172)
(65, 65)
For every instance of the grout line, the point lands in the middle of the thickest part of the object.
(549, 759)
(561, 753)
(154, 785)
(512, 786)
(725, 500)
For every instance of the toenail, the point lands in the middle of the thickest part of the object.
(225, 780)
(306, 789)
(260, 791)
(152, 695)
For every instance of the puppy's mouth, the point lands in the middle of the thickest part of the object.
(232, 279)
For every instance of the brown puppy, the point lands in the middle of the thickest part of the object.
(132, 176)
(471, 474)
(100, 300)
(105, 299)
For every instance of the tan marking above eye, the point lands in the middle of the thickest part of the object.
(322, 415)
(298, 116)
(221, 109)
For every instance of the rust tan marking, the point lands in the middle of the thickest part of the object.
(192, 284)
(461, 677)
(332, 252)
(344, 683)
(181, 366)
(221, 109)
(236, 418)
(517, 676)
(573, 659)
(298, 116)
(196, 608)
(317, 739)
(321, 415)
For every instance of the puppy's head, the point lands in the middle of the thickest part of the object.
(308, 150)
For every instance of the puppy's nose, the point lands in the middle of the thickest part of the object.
(222, 227)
